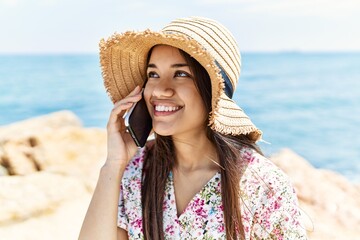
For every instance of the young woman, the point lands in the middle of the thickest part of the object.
(202, 177)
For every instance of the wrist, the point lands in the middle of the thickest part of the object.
(116, 162)
(113, 167)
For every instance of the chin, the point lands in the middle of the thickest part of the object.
(162, 133)
(163, 129)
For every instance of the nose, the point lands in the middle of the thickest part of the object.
(163, 88)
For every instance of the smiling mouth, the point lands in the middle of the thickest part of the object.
(160, 108)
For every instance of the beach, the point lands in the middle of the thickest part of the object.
(50, 165)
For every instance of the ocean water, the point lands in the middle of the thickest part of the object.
(309, 102)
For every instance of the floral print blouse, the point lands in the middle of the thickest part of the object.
(269, 207)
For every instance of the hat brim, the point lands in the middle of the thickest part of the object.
(230, 119)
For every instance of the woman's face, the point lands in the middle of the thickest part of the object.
(171, 96)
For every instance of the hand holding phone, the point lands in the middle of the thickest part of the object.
(138, 122)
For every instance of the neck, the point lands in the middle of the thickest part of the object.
(195, 153)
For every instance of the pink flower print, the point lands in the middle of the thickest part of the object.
(221, 208)
(137, 223)
(277, 204)
(164, 208)
(201, 212)
(170, 229)
(136, 161)
(278, 234)
(221, 228)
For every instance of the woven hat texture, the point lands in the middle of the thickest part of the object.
(123, 61)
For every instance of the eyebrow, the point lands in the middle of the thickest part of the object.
(176, 65)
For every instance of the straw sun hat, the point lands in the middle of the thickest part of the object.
(123, 60)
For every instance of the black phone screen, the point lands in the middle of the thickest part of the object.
(140, 123)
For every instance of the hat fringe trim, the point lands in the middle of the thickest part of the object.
(215, 98)
(104, 62)
(254, 133)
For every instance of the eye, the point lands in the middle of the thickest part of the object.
(182, 74)
(152, 75)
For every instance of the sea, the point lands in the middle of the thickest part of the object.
(308, 102)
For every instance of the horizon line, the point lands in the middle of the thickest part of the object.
(241, 52)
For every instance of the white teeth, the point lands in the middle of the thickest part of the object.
(165, 108)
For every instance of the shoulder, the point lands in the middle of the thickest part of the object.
(261, 172)
(262, 182)
(270, 199)
(264, 186)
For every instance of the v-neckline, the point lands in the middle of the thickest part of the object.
(196, 196)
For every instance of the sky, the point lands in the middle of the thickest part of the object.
(76, 26)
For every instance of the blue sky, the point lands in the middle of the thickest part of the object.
(65, 26)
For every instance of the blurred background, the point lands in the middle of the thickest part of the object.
(300, 80)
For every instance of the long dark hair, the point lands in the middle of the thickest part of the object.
(160, 160)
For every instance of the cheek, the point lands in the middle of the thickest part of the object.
(193, 95)
(147, 96)
(198, 101)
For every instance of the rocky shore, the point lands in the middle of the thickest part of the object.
(49, 167)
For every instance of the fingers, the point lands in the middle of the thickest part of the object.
(124, 104)
(134, 93)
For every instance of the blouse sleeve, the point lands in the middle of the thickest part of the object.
(274, 204)
(122, 220)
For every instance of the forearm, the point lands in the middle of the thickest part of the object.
(101, 218)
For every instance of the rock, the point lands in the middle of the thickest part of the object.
(20, 156)
(34, 126)
(62, 223)
(75, 151)
(3, 171)
(59, 162)
(20, 151)
(330, 203)
(56, 143)
(24, 197)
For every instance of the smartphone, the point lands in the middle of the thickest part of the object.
(138, 122)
